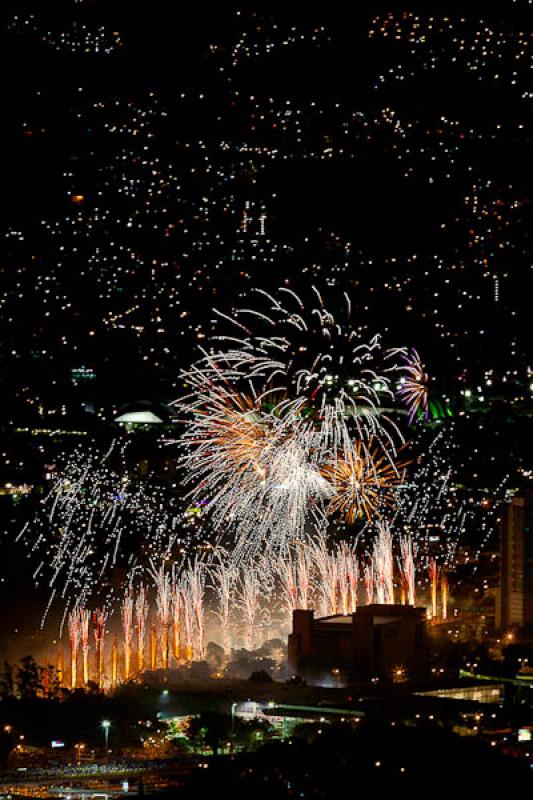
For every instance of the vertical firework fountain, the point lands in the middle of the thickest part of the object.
(347, 573)
(194, 583)
(249, 593)
(163, 586)
(326, 567)
(85, 617)
(353, 579)
(99, 622)
(224, 576)
(59, 665)
(114, 662)
(308, 570)
(187, 622)
(369, 582)
(433, 575)
(176, 618)
(141, 615)
(74, 636)
(304, 579)
(407, 570)
(444, 591)
(286, 571)
(383, 565)
(127, 630)
(153, 646)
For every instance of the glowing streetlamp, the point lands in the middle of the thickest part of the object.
(106, 724)
(79, 747)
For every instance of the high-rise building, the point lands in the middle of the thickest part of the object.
(515, 601)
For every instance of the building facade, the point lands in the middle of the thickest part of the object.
(376, 640)
(515, 596)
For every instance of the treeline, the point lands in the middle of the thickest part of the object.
(35, 709)
(26, 680)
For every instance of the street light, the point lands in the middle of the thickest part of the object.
(79, 747)
(106, 724)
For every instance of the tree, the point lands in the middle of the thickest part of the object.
(308, 731)
(296, 680)
(215, 655)
(6, 746)
(209, 729)
(51, 682)
(7, 681)
(28, 678)
(251, 734)
(260, 676)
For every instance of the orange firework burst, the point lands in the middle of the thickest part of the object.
(239, 435)
(414, 388)
(362, 480)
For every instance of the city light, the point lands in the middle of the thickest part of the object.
(267, 399)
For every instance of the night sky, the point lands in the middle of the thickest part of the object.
(162, 159)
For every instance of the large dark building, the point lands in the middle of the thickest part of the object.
(515, 600)
(377, 640)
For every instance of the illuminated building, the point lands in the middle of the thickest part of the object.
(515, 600)
(376, 640)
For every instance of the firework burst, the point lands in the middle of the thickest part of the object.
(97, 520)
(363, 480)
(414, 385)
(267, 409)
(254, 467)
